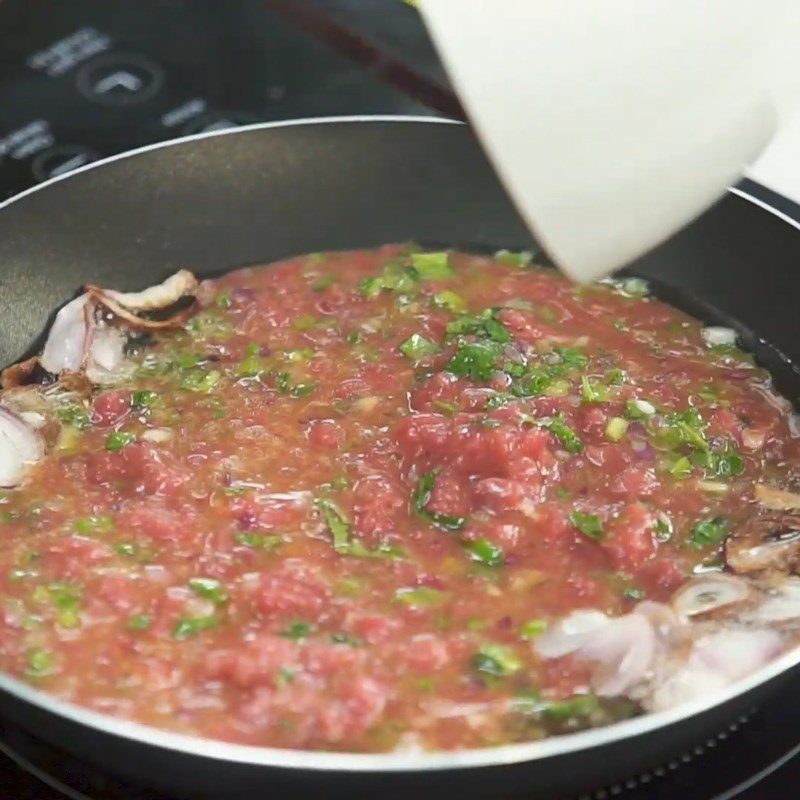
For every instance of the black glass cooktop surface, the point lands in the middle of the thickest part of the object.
(84, 80)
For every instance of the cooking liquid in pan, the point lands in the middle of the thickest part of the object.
(351, 502)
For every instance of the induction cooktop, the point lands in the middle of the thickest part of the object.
(84, 80)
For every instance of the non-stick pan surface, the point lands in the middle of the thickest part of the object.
(216, 202)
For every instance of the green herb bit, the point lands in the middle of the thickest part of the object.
(522, 258)
(592, 392)
(616, 376)
(422, 496)
(86, 526)
(258, 541)
(417, 347)
(117, 440)
(681, 468)
(432, 266)
(75, 415)
(496, 661)
(709, 532)
(40, 663)
(421, 596)
(357, 549)
(191, 626)
(451, 301)
(633, 593)
(484, 325)
(198, 380)
(144, 398)
(578, 706)
(337, 524)
(251, 365)
(633, 287)
(681, 428)
(139, 622)
(298, 630)
(639, 409)
(590, 525)
(223, 300)
(568, 438)
(726, 464)
(323, 282)
(484, 552)
(532, 628)
(620, 325)
(663, 528)
(475, 360)
(616, 428)
(209, 588)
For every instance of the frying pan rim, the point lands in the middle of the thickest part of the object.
(372, 762)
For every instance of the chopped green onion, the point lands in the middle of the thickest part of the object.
(191, 626)
(40, 663)
(417, 347)
(117, 440)
(496, 661)
(639, 409)
(709, 532)
(102, 523)
(420, 596)
(592, 392)
(681, 468)
(451, 301)
(258, 541)
(523, 258)
(139, 622)
(568, 438)
(198, 380)
(532, 628)
(144, 398)
(298, 630)
(616, 428)
(74, 415)
(346, 638)
(422, 496)
(484, 552)
(590, 525)
(337, 524)
(432, 266)
(209, 588)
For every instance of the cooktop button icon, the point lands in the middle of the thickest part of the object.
(119, 79)
(61, 159)
(205, 123)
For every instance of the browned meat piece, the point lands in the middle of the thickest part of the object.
(770, 541)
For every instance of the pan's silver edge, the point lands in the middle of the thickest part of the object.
(358, 762)
(256, 126)
(757, 201)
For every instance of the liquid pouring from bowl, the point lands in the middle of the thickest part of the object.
(613, 125)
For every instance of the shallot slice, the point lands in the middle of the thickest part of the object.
(781, 603)
(128, 306)
(623, 648)
(69, 336)
(709, 593)
(20, 445)
(777, 499)
(105, 362)
(717, 335)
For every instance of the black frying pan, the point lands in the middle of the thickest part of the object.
(220, 201)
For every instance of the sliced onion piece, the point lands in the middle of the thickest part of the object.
(20, 446)
(781, 603)
(105, 362)
(68, 338)
(623, 648)
(709, 593)
(129, 306)
(162, 295)
(717, 335)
